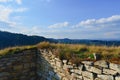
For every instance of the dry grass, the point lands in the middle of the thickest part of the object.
(75, 52)
(12, 50)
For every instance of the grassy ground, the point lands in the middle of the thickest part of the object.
(76, 53)
(12, 50)
(72, 52)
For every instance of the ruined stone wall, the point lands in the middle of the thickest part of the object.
(19, 66)
(43, 65)
(51, 68)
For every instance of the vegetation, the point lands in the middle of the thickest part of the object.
(76, 53)
(8, 39)
(72, 52)
(13, 50)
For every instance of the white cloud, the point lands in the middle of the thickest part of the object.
(5, 13)
(5, 1)
(59, 25)
(19, 2)
(102, 22)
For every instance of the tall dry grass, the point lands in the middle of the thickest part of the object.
(82, 52)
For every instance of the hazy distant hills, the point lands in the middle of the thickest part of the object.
(90, 42)
(8, 39)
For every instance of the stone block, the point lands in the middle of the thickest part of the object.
(18, 67)
(88, 75)
(87, 62)
(109, 71)
(65, 61)
(3, 74)
(105, 77)
(98, 79)
(80, 67)
(117, 78)
(115, 67)
(101, 63)
(93, 69)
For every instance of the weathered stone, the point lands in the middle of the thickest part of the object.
(97, 56)
(58, 77)
(67, 66)
(80, 67)
(18, 67)
(98, 79)
(64, 61)
(106, 77)
(86, 78)
(79, 77)
(59, 64)
(87, 62)
(115, 67)
(65, 78)
(2, 74)
(93, 69)
(109, 71)
(88, 75)
(117, 78)
(51, 73)
(101, 63)
(77, 71)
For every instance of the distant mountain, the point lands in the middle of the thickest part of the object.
(90, 42)
(8, 39)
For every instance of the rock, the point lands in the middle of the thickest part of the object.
(77, 71)
(106, 77)
(2, 74)
(101, 63)
(51, 73)
(59, 64)
(80, 77)
(58, 77)
(88, 75)
(74, 75)
(80, 67)
(87, 62)
(64, 61)
(117, 78)
(67, 67)
(65, 78)
(97, 56)
(98, 79)
(109, 71)
(93, 69)
(115, 67)
(85, 78)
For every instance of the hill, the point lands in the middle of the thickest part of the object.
(8, 39)
(90, 42)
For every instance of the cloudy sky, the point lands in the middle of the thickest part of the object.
(74, 19)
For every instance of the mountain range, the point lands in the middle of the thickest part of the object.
(8, 39)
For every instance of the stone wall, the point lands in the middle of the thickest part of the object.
(36, 64)
(51, 68)
(19, 66)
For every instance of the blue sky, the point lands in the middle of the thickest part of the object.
(75, 19)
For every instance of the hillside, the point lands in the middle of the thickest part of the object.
(8, 39)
